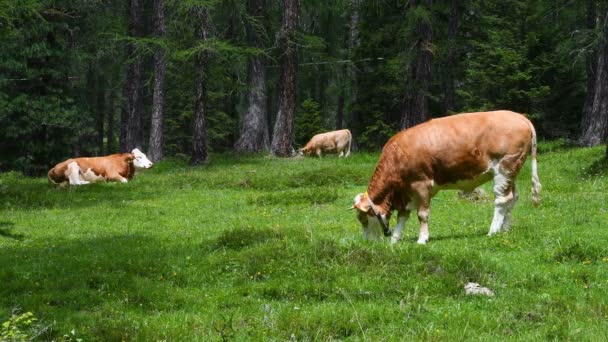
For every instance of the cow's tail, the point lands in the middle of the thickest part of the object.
(350, 140)
(535, 180)
(51, 178)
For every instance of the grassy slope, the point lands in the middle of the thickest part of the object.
(256, 248)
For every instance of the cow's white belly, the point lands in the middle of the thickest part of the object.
(466, 184)
(91, 176)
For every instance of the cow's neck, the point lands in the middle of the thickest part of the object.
(381, 188)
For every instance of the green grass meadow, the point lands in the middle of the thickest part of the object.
(261, 248)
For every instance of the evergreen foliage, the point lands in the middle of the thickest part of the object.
(62, 69)
(308, 122)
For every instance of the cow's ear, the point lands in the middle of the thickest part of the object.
(361, 203)
(129, 157)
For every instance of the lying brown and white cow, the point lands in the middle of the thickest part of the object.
(455, 152)
(330, 142)
(116, 167)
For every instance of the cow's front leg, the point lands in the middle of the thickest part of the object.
(401, 220)
(423, 217)
(117, 178)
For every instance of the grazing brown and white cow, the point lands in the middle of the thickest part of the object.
(116, 167)
(330, 142)
(455, 152)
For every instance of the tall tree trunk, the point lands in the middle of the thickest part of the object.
(155, 149)
(230, 97)
(101, 111)
(340, 110)
(450, 96)
(124, 115)
(591, 66)
(92, 91)
(110, 124)
(131, 123)
(254, 131)
(599, 111)
(416, 106)
(353, 43)
(199, 143)
(283, 134)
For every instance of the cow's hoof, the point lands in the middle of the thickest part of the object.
(422, 241)
(394, 240)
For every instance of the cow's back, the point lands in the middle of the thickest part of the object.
(108, 166)
(459, 147)
(95, 168)
(330, 140)
(322, 141)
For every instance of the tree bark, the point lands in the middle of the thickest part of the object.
(110, 123)
(124, 115)
(155, 149)
(101, 111)
(340, 110)
(254, 135)
(450, 93)
(591, 66)
(416, 104)
(92, 91)
(199, 142)
(283, 136)
(596, 132)
(354, 43)
(131, 123)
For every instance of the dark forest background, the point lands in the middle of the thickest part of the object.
(186, 78)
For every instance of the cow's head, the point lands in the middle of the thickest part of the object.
(373, 222)
(140, 160)
(304, 152)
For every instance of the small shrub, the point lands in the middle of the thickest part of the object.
(24, 327)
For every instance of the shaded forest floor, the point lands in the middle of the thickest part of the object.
(264, 248)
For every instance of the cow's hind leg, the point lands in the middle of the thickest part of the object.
(504, 199)
(73, 173)
(509, 208)
(505, 192)
(423, 217)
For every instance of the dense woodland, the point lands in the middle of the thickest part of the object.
(183, 78)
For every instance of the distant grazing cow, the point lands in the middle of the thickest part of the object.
(116, 167)
(455, 152)
(330, 142)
